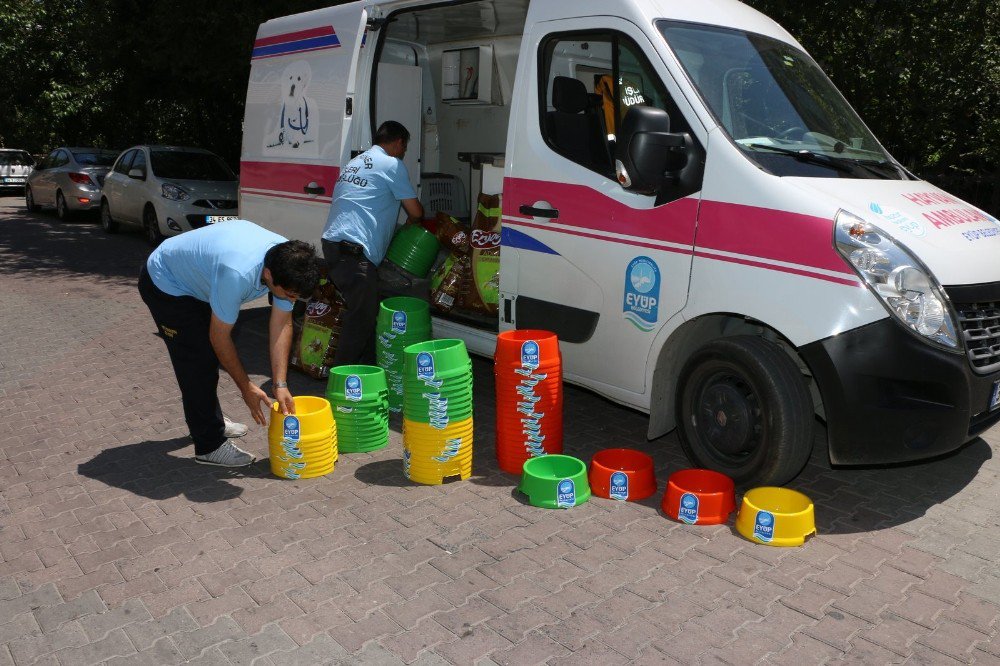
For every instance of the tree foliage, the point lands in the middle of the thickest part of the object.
(924, 74)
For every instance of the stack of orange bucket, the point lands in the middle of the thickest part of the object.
(528, 372)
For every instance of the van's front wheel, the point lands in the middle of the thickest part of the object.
(745, 411)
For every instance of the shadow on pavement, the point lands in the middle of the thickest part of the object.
(388, 473)
(148, 470)
(39, 245)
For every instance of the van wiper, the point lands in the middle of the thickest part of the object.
(873, 165)
(804, 155)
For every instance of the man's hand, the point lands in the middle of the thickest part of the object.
(256, 400)
(285, 401)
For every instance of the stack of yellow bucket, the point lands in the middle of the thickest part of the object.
(303, 445)
(437, 411)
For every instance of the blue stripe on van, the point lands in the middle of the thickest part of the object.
(325, 41)
(522, 241)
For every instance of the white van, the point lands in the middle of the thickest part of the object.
(717, 238)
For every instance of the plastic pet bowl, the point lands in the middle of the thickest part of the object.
(622, 474)
(776, 516)
(699, 497)
(555, 481)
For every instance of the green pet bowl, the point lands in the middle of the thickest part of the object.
(555, 481)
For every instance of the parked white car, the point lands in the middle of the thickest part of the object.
(167, 190)
(15, 165)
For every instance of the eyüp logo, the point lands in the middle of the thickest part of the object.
(619, 486)
(352, 388)
(688, 509)
(565, 494)
(529, 353)
(317, 309)
(640, 304)
(425, 366)
(485, 240)
(763, 526)
(291, 429)
(898, 218)
(399, 322)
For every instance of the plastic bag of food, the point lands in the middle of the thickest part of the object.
(450, 282)
(452, 234)
(483, 294)
(314, 341)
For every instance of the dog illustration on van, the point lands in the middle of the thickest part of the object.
(297, 116)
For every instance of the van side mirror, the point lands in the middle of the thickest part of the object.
(138, 174)
(647, 155)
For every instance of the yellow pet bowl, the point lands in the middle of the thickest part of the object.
(776, 517)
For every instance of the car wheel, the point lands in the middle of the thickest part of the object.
(108, 223)
(62, 210)
(29, 201)
(152, 226)
(744, 410)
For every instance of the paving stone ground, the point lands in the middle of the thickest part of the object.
(116, 548)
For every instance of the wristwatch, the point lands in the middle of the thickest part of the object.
(278, 385)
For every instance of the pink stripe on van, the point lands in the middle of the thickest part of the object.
(290, 177)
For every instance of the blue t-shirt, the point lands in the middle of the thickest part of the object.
(220, 264)
(366, 202)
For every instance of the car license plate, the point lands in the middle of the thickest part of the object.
(995, 400)
(212, 219)
(13, 179)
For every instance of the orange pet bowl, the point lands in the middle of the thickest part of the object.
(699, 497)
(622, 474)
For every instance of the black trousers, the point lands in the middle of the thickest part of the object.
(357, 280)
(183, 322)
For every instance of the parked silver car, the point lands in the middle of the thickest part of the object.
(69, 179)
(168, 190)
(15, 165)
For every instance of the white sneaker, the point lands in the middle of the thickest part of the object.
(227, 455)
(234, 429)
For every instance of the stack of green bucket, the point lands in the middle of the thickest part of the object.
(413, 249)
(402, 321)
(359, 398)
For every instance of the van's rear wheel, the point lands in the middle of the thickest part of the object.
(745, 411)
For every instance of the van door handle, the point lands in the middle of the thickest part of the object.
(551, 213)
(313, 188)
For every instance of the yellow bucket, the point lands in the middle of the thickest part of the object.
(302, 445)
(431, 455)
(776, 516)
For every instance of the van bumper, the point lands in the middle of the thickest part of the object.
(892, 398)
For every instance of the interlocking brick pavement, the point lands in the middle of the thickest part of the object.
(115, 548)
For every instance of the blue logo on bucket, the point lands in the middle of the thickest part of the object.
(425, 366)
(688, 509)
(642, 293)
(399, 322)
(529, 354)
(291, 428)
(566, 494)
(352, 388)
(619, 486)
(763, 526)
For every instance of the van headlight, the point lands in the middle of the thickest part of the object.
(174, 192)
(906, 288)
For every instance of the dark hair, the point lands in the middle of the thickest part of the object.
(390, 131)
(294, 266)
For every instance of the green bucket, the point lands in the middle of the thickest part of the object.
(427, 359)
(555, 481)
(359, 398)
(355, 383)
(403, 314)
(402, 321)
(413, 249)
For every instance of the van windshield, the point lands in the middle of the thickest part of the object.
(776, 103)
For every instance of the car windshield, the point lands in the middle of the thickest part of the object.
(16, 158)
(95, 157)
(189, 166)
(776, 103)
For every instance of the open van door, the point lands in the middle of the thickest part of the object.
(300, 102)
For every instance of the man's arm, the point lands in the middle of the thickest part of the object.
(220, 334)
(281, 344)
(414, 209)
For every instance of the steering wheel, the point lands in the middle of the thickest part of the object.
(790, 133)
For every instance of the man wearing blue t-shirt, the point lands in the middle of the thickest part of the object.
(362, 221)
(194, 285)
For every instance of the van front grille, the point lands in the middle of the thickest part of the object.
(980, 324)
